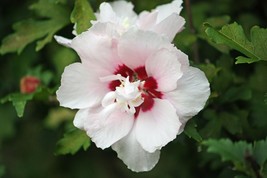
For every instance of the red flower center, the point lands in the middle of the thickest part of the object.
(149, 89)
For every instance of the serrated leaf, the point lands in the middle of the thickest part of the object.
(72, 142)
(228, 150)
(18, 100)
(81, 15)
(233, 36)
(27, 31)
(191, 131)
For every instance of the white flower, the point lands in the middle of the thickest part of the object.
(135, 92)
(164, 19)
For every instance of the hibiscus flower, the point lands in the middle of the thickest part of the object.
(164, 19)
(135, 92)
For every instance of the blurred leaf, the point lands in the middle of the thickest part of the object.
(260, 151)
(81, 15)
(237, 93)
(231, 122)
(191, 131)
(7, 120)
(228, 150)
(210, 70)
(18, 100)
(72, 142)
(55, 17)
(57, 116)
(233, 36)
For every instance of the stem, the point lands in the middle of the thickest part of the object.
(192, 30)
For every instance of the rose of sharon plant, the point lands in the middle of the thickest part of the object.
(135, 92)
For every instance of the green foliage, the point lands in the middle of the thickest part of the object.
(58, 115)
(246, 157)
(81, 15)
(18, 100)
(191, 131)
(72, 142)
(233, 36)
(55, 17)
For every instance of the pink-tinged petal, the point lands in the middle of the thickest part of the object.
(170, 26)
(147, 20)
(124, 9)
(135, 46)
(157, 127)
(190, 95)
(108, 125)
(106, 13)
(133, 155)
(63, 41)
(165, 68)
(167, 9)
(80, 87)
(97, 47)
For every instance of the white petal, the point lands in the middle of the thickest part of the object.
(133, 155)
(147, 20)
(124, 9)
(157, 127)
(63, 41)
(167, 9)
(191, 94)
(97, 47)
(80, 87)
(165, 68)
(107, 126)
(170, 26)
(135, 46)
(106, 13)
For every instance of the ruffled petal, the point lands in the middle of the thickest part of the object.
(170, 26)
(158, 126)
(106, 13)
(97, 47)
(133, 155)
(63, 41)
(165, 68)
(124, 9)
(191, 93)
(147, 20)
(135, 46)
(166, 10)
(105, 126)
(80, 87)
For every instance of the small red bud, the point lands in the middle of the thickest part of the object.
(28, 84)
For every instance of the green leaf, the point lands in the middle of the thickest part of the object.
(210, 71)
(259, 151)
(191, 131)
(55, 17)
(57, 116)
(72, 142)
(228, 150)
(18, 100)
(233, 36)
(81, 15)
